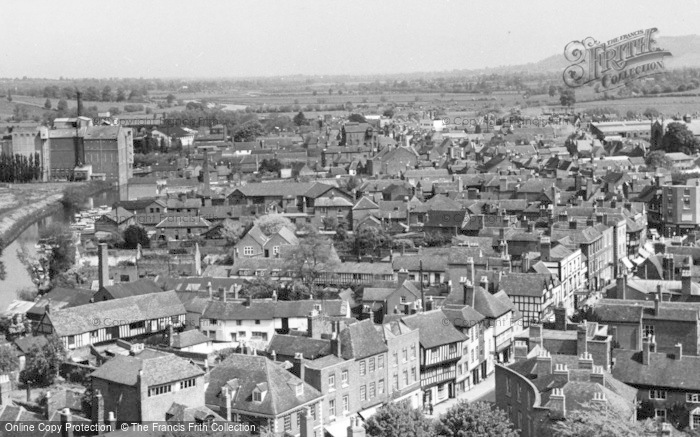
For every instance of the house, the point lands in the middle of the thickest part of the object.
(664, 380)
(254, 390)
(544, 388)
(143, 387)
(104, 321)
(126, 289)
(441, 347)
(256, 244)
(403, 366)
(181, 227)
(58, 298)
(380, 302)
(115, 222)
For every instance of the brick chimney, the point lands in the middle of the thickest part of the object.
(544, 363)
(66, 430)
(306, 427)
(572, 224)
(585, 361)
(535, 336)
(582, 338)
(227, 402)
(648, 347)
(545, 248)
(562, 371)
(560, 319)
(557, 401)
(678, 351)
(484, 283)
(597, 375)
(686, 281)
(222, 294)
(98, 408)
(299, 365)
(621, 288)
(356, 429)
(520, 350)
(103, 265)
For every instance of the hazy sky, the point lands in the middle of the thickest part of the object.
(246, 38)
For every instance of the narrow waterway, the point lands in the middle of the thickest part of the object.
(18, 277)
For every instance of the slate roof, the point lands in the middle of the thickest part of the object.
(663, 370)
(189, 338)
(136, 288)
(80, 319)
(154, 370)
(481, 300)
(433, 330)
(524, 284)
(361, 340)
(270, 309)
(289, 345)
(61, 297)
(183, 222)
(630, 311)
(246, 373)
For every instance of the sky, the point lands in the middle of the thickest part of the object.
(167, 39)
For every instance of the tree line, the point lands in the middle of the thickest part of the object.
(20, 168)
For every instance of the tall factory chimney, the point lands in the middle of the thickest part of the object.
(80, 102)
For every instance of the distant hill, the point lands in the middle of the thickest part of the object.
(685, 50)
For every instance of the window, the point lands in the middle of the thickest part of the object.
(380, 362)
(239, 322)
(312, 410)
(137, 325)
(248, 251)
(300, 389)
(396, 358)
(405, 378)
(395, 382)
(344, 377)
(372, 390)
(260, 335)
(692, 398)
(275, 250)
(520, 420)
(403, 299)
(413, 374)
(288, 423)
(188, 383)
(363, 368)
(657, 394)
(413, 351)
(404, 353)
(520, 392)
(453, 349)
(331, 407)
(257, 396)
(95, 334)
(331, 382)
(346, 404)
(660, 413)
(371, 364)
(363, 393)
(159, 390)
(507, 386)
(648, 330)
(380, 386)
(257, 322)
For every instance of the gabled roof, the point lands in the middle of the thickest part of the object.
(365, 203)
(153, 370)
(244, 374)
(189, 338)
(361, 340)
(289, 345)
(136, 288)
(662, 371)
(432, 329)
(80, 319)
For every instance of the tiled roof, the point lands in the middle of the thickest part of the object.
(189, 338)
(153, 370)
(81, 319)
(433, 330)
(246, 373)
(361, 340)
(524, 284)
(270, 309)
(136, 288)
(289, 345)
(662, 371)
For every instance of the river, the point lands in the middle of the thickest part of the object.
(17, 276)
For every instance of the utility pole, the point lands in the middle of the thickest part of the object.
(422, 294)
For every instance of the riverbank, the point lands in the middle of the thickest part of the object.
(25, 204)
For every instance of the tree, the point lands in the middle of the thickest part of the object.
(107, 94)
(370, 239)
(271, 165)
(300, 119)
(62, 105)
(651, 113)
(329, 223)
(8, 359)
(594, 420)
(47, 104)
(388, 113)
(170, 99)
(232, 231)
(352, 183)
(678, 138)
(42, 363)
(121, 95)
(477, 419)
(552, 91)
(398, 420)
(567, 97)
(658, 159)
(271, 223)
(357, 118)
(248, 131)
(9, 96)
(135, 235)
(311, 257)
(259, 288)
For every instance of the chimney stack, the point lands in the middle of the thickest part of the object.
(585, 361)
(356, 429)
(222, 294)
(558, 401)
(98, 408)
(210, 291)
(560, 320)
(621, 287)
(597, 375)
(227, 402)
(648, 347)
(544, 363)
(103, 265)
(678, 351)
(484, 283)
(686, 281)
(66, 430)
(299, 365)
(112, 419)
(545, 248)
(561, 370)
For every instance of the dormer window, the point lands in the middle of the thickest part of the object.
(300, 389)
(257, 396)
